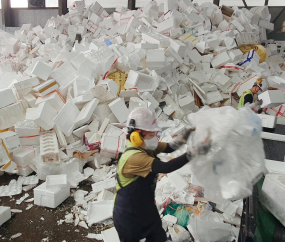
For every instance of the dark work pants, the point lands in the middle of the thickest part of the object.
(133, 226)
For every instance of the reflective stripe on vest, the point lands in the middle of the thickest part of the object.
(124, 158)
(241, 101)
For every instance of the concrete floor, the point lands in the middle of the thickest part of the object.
(34, 229)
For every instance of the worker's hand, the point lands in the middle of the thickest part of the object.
(181, 139)
(259, 102)
(201, 149)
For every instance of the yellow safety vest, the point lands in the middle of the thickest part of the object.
(241, 101)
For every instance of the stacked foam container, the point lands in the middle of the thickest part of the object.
(60, 96)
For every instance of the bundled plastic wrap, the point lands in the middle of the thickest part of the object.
(179, 234)
(209, 230)
(236, 160)
(46, 169)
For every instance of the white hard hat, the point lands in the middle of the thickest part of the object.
(143, 119)
(265, 85)
(262, 84)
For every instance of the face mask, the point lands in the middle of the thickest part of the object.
(151, 144)
(259, 92)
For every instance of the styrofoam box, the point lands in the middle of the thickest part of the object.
(111, 145)
(140, 81)
(276, 167)
(11, 140)
(66, 117)
(25, 171)
(119, 109)
(28, 135)
(23, 156)
(52, 197)
(5, 214)
(11, 114)
(4, 155)
(271, 98)
(42, 70)
(268, 121)
(273, 195)
(53, 99)
(44, 116)
(7, 97)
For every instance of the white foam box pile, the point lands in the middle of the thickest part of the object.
(58, 89)
(51, 197)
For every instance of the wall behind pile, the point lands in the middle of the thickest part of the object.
(33, 16)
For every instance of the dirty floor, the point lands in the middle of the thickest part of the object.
(40, 223)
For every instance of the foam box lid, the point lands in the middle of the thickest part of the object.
(51, 192)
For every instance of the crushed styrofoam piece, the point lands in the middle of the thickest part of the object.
(29, 187)
(110, 235)
(19, 201)
(29, 200)
(15, 236)
(29, 180)
(29, 206)
(83, 224)
(94, 236)
(99, 211)
(13, 188)
(170, 219)
(16, 211)
(107, 184)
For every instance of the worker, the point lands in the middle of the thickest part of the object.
(135, 214)
(246, 99)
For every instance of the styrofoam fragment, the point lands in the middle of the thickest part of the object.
(107, 184)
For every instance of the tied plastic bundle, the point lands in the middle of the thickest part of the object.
(236, 159)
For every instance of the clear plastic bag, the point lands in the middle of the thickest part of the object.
(179, 234)
(208, 230)
(236, 159)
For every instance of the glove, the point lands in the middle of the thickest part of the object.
(181, 139)
(201, 149)
(259, 102)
